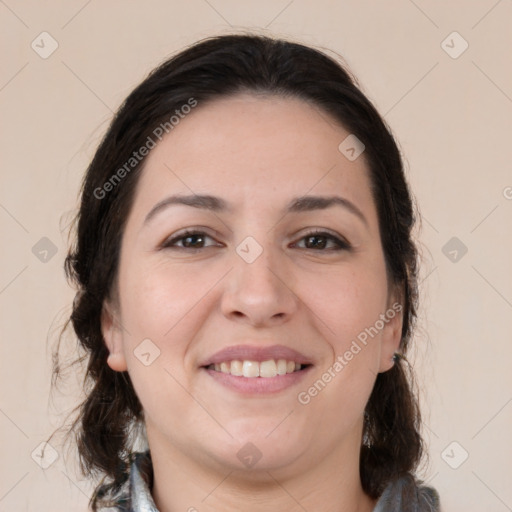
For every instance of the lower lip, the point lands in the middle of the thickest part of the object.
(259, 385)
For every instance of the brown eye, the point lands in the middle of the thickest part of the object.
(316, 242)
(188, 240)
(321, 240)
(193, 241)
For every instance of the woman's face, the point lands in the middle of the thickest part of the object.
(254, 280)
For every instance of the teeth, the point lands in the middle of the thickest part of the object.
(281, 367)
(235, 368)
(251, 369)
(268, 368)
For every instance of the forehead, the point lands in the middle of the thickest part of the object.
(250, 148)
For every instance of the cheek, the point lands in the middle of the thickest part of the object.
(347, 301)
(156, 298)
(350, 303)
(167, 304)
(160, 308)
(348, 306)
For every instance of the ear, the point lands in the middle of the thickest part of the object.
(391, 334)
(113, 336)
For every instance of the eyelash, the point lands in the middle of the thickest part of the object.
(341, 243)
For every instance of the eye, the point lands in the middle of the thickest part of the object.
(320, 241)
(192, 239)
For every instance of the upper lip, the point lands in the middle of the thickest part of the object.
(255, 353)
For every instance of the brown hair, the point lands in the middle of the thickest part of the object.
(213, 68)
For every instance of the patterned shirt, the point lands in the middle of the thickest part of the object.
(134, 495)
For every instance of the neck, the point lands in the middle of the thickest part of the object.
(330, 484)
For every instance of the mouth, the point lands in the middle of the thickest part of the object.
(257, 369)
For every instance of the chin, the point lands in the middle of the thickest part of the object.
(260, 446)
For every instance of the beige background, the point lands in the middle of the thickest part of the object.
(452, 116)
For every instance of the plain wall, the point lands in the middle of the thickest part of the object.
(451, 116)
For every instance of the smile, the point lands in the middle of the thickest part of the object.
(250, 369)
(257, 369)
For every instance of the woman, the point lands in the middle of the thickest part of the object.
(246, 292)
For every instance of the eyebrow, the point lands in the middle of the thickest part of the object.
(216, 204)
(203, 202)
(309, 203)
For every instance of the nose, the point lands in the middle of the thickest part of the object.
(259, 293)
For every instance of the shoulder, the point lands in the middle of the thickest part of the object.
(132, 494)
(406, 493)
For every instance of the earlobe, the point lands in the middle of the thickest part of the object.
(117, 362)
(113, 336)
(391, 337)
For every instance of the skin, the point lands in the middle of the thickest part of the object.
(257, 153)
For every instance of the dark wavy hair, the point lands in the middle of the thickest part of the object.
(214, 68)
